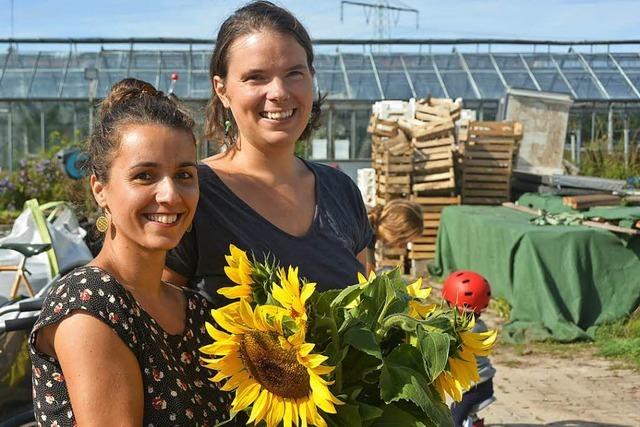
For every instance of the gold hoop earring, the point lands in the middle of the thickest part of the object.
(102, 223)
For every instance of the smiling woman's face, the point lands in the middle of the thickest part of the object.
(152, 191)
(268, 87)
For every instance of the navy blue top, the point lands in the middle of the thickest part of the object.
(326, 254)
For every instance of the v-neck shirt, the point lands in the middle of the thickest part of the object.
(325, 254)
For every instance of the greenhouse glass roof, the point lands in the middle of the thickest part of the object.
(367, 76)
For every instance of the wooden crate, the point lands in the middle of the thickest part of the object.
(487, 161)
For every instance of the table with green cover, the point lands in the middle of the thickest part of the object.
(561, 281)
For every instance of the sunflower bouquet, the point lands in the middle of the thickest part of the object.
(373, 354)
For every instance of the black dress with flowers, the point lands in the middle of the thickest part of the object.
(176, 388)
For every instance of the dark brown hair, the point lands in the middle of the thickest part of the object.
(253, 17)
(397, 222)
(131, 102)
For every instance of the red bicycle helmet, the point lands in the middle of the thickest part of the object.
(467, 290)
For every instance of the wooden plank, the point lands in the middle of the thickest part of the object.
(493, 148)
(434, 177)
(436, 200)
(431, 118)
(485, 162)
(485, 185)
(423, 134)
(492, 140)
(423, 248)
(429, 232)
(469, 192)
(431, 224)
(422, 255)
(440, 110)
(593, 224)
(421, 156)
(473, 153)
(436, 150)
(424, 240)
(438, 185)
(468, 177)
(432, 165)
(430, 143)
(426, 216)
(399, 168)
(386, 179)
(484, 200)
(486, 171)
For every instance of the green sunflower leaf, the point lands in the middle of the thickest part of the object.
(346, 416)
(434, 347)
(393, 416)
(346, 296)
(361, 338)
(403, 377)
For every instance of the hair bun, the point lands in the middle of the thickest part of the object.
(126, 90)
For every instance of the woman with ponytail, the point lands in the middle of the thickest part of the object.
(114, 344)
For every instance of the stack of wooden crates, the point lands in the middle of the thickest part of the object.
(393, 163)
(418, 155)
(414, 158)
(433, 187)
(488, 153)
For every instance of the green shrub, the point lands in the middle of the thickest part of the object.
(598, 161)
(40, 177)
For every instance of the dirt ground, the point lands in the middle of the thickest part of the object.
(561, 385)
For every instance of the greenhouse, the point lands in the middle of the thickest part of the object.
(51, 85)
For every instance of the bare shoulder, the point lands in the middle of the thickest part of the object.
(97, 363)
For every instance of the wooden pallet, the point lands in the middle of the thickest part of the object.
(487, 161)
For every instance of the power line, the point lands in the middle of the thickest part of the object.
(385, 11)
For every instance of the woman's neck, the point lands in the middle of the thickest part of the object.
(272, 162)
(137, 270)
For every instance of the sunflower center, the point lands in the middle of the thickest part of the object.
(272, 366)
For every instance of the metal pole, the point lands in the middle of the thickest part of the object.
(572, 138)
(578, 145)
(610, 129)
(593, 125)
(42, 137)
(626, 139)
(10, 139)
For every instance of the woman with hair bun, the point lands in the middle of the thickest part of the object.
(114, 344)
(258, 194)
(395, 224)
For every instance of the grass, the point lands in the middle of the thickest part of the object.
(621, 340)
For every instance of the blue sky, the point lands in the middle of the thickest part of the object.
(541, 19)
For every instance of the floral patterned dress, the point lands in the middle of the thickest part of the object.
(176, 388)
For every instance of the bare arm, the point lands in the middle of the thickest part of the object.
(168, 275)
(96, 365)
(362, 257)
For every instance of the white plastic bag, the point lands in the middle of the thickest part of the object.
(63, 233)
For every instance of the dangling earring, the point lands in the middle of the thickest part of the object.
(227, 123)
(190, 227)
(102, 223)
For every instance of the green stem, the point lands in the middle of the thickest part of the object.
(333, 329)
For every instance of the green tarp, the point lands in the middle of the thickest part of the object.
(561, 281)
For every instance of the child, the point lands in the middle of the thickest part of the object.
(470, 292)
(394, 225)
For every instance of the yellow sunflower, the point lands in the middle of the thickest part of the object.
(292, 296)
(418, 309)
(239, 270)
(462, 371)
(278, 375)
